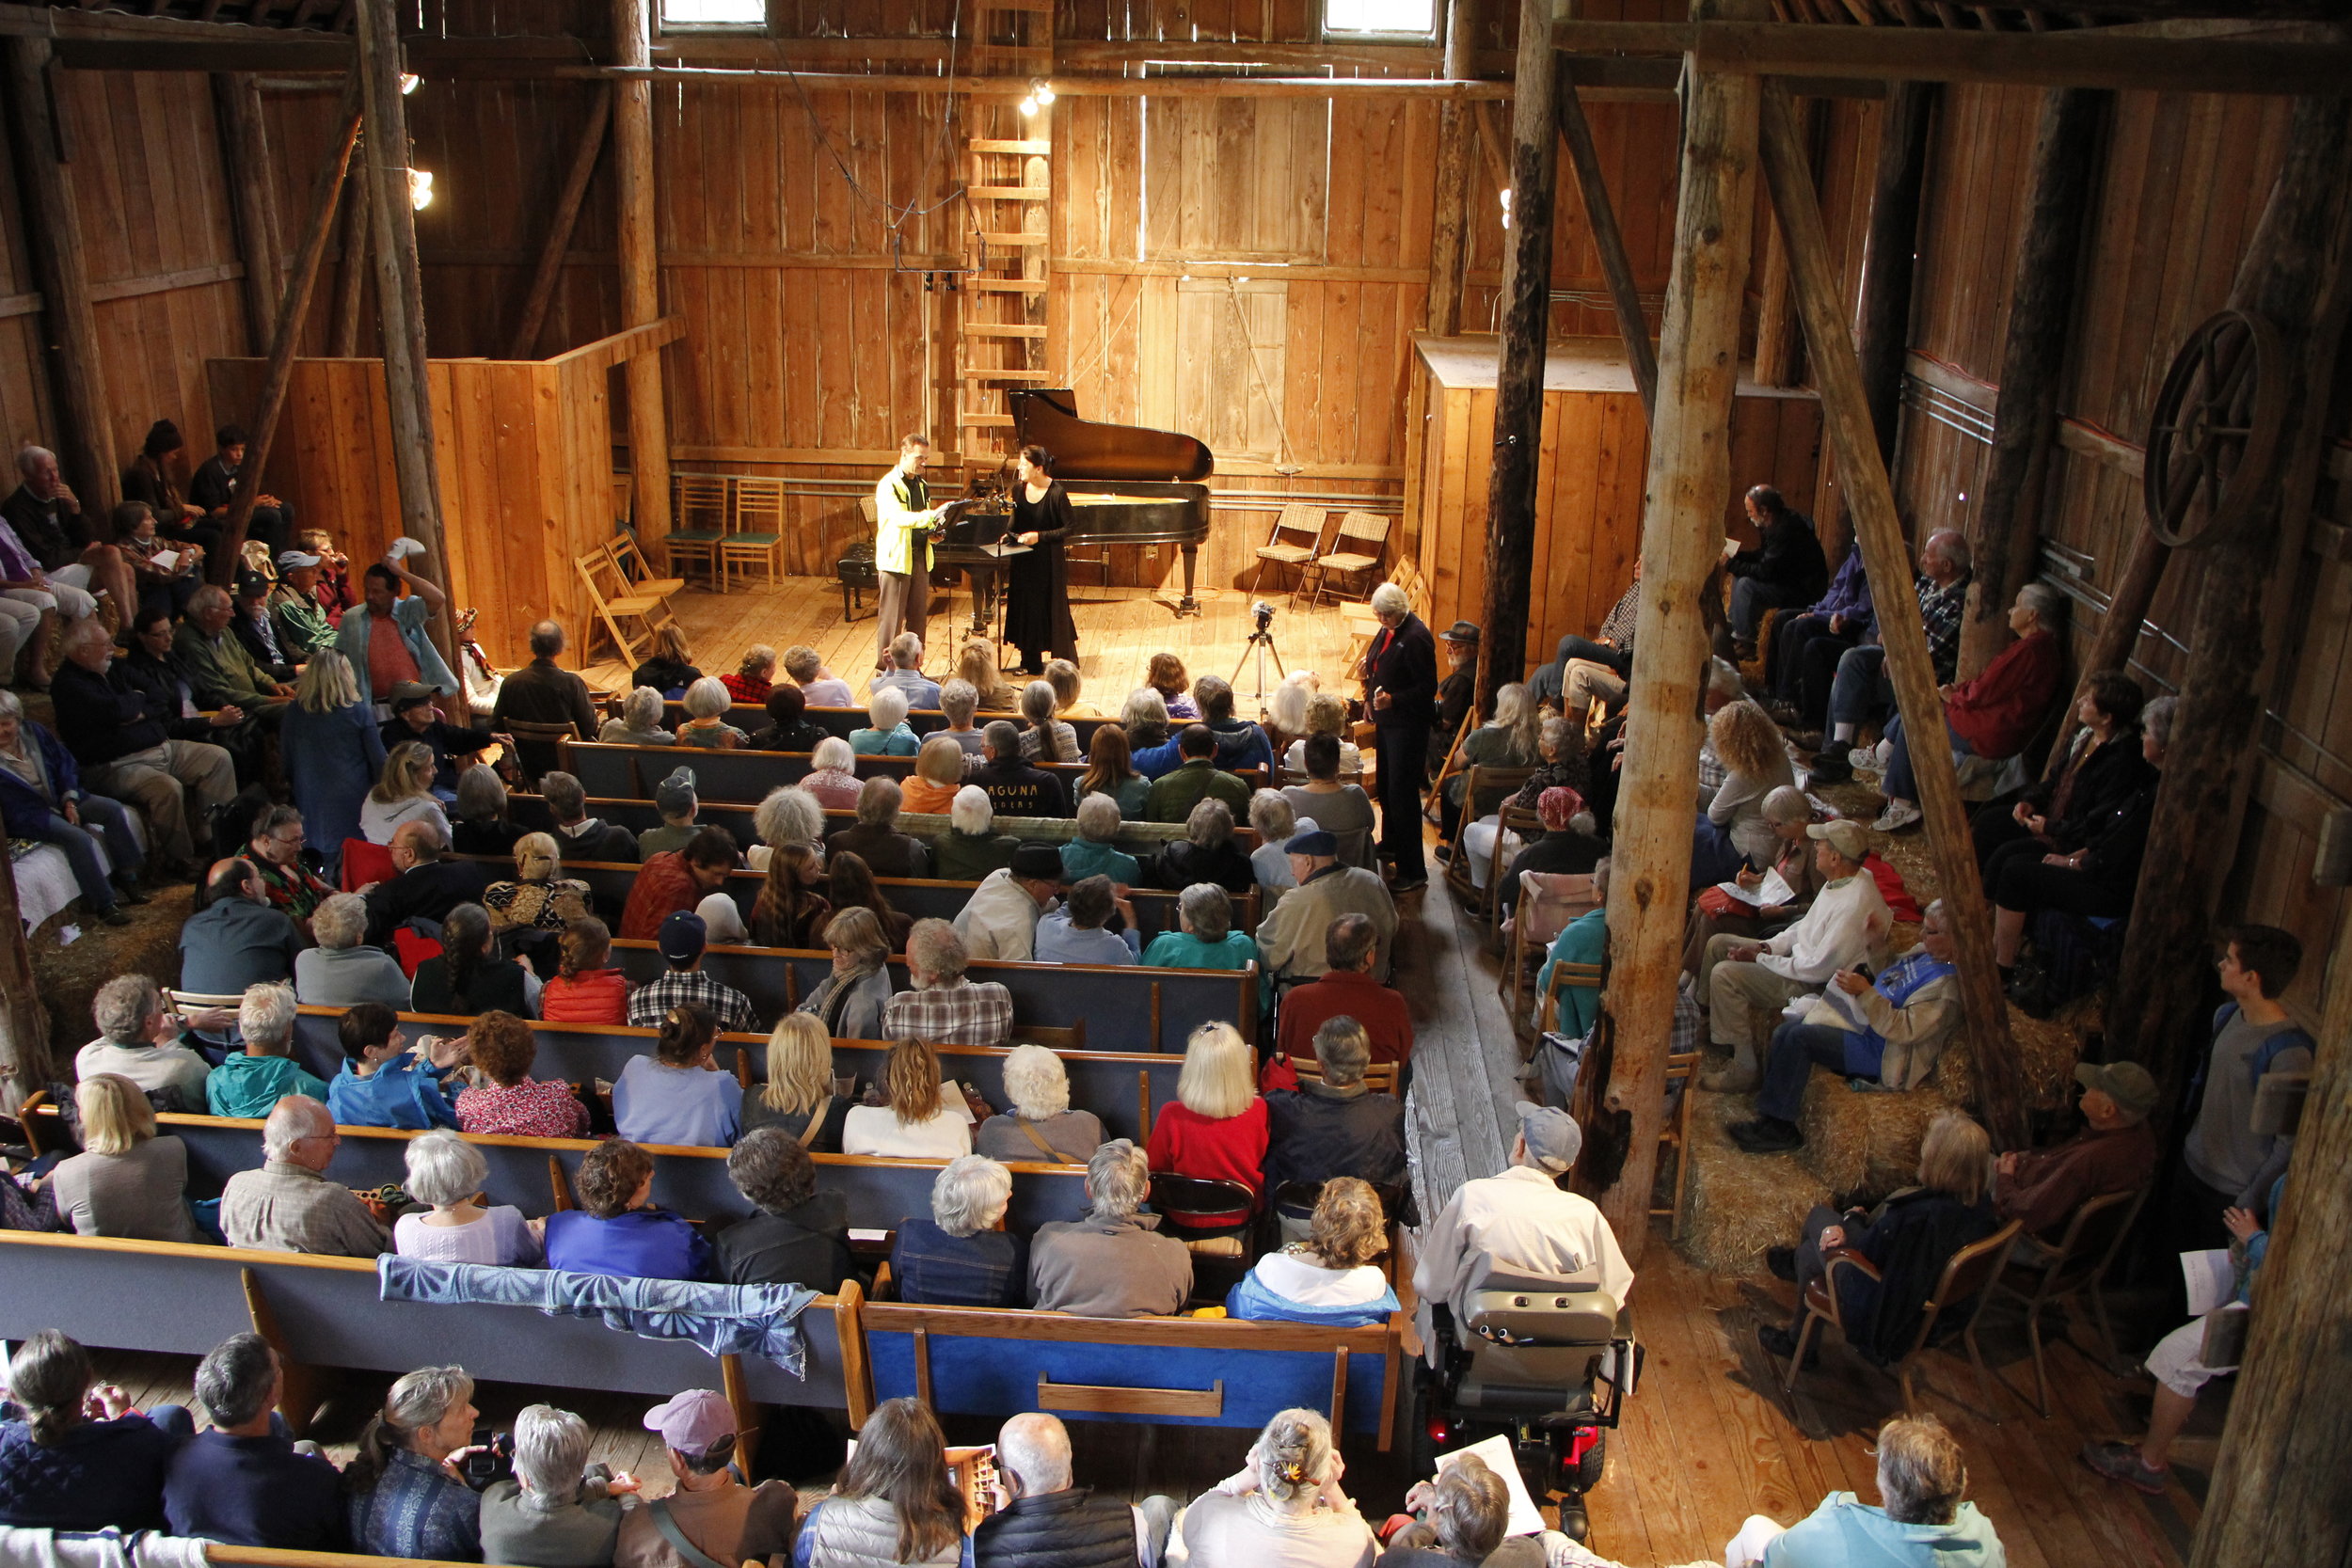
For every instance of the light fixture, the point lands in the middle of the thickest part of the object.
(409, 82)
(1040, 95)
(1506, 207)
(420, 189)
(1028, 104)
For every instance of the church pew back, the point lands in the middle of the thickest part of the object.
(742, 777)
(751, 717)
(530, 812)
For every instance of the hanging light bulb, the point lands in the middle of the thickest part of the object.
(1029, 104)
(420, 189)
(409, 82)
(1042, 91)
(1506, 207)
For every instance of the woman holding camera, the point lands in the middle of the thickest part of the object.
(1037, 585)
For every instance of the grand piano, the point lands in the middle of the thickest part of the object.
(1128, 486)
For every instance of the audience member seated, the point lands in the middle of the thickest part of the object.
(1050, 1519)
(1326, 714)
(383, 1083)
(1333, 1278)
(586, 988)
(1459, 1519)
(1291, 937)
(1207, 853)
(1993, 715)
(1523, 1215)
(938, 774)
(919, 1118)
(541, 693)
(243, 1480)
(409, 1495)
(1783, 569)
(77, 1458)
(1920, 1523)
(1581, 940)
(888, 734)
(1346, 990)
(1284, 1506)
(468, 977)
(1861, 691)
(831, 777)
(616, 1229)
(2115, 1152)
(1749, 983)
(1195, 777)
(790, 911)
(2102, 769)
(589, 838)
(707, 703)
(999, 920)
(1731, 834)
(556, 1511)
(962, 1255)
(219, 665)
(678, 879)
(425, 887)
(1889, 1031)
(42, 798)
(896, 1503)
(970, 847)
(126, 1183)
(798, 1099)
(1908, 1238)
(788, 727)
(944, 1007)
(800, 1236)
(1342, 810)
(1512, 738)
(236, 940)
(715, 1516)
(540, 897)
(152, 667)
(1062, 676)
(1045, 739)
(852, 1002)
(754, 676)
(676, 803)
(785, 815)
(639, 723)
(482, 826)
(1111, 773)
(668, 670)
(1216, 1127)
(450, 1174)
(1332, 1125)
(876, 838)
(2227, 1162)
(1240, 743)
(1041, 1125)
(514, 1104)
(1276, 824)
(290, 1205)
(821, 686)
(414, 718)
(1569, 846)
(1788, 812)
(139, 1041)
(1204, 937)
(275, 851)
(166, 587)
(249, 1082)
(1806, 648)
(1077, 933)
(1091, 853)
(849, 885)
(133, 748)
(1113, 1263)
(678, 1097)
(906, 676)
(1015, 786)
(403, 793)
(959, 700)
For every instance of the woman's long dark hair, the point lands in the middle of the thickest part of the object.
(785, 904)
(850, 884)
(465, 946)
(1110, 762)
(902, 1458)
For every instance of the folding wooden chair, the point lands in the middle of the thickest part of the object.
(1296, 539)
(757, 534)
(1967, 1279)
(1362, 538)
(1564, 976)
(1488, 781)
(699, 514)
(1681, 1080)
(633, 574)
(2085, 1253)
(629, 619)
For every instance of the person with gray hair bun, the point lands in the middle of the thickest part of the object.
(1284, 1506)
(1077, 932)
(76, 1457)
(970, 847)
(799, 1236)
(1995, 714)
(556, 1511)
(1041, 1125)
(1207, 853)
(449, 1173)
(408, 1481)
(289, 1205)
(962, 1255)
(249, 1082)
(245, 1481)
(139, 1041)
(1052, 1522)
(1113, 1263)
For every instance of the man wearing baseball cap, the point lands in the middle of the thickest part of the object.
(303, 628)
(1522, 1216)
(675, 798)
(2115, 1152)
(681, 940)
(999, 920)
(1748, 983)
(712, 1520)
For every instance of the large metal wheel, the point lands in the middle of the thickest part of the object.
(2213, 437)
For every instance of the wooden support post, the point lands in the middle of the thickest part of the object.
(2001, 530)
(246, 163)
(1779, 338)
(351, 272)
(1889, 247)
(400, 301)
(559, 239)
(1449, 236)
(2294, 274)
(1520, 378)
(25, 1064)
(1886, 561)
(1494, 144)
(293, 308)
(52, 233)
(641, 271)
(1609, 240)
(1686, 496)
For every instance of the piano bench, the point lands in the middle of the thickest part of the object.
(857, 574)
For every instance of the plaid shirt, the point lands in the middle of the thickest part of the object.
(651, 1001)
(1939, 608)
(297, 891)
(958, 1013)
(1712, 771)
(1618, 626)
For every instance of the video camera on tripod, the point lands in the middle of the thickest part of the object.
(1263, 614)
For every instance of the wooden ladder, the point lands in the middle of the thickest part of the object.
(1002, 333)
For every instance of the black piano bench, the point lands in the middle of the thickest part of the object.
(857, 574)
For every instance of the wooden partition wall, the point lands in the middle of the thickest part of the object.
(526, 460)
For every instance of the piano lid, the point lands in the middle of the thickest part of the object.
(1048, 417)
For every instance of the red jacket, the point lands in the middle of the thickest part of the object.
(1898, 899)
(664, 885)
(1185, 1142)
(1999, 711)
(1342, 994)
(598, 997)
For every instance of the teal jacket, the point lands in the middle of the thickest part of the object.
(250, 1085)
(1846, 1532)
(1584, 941)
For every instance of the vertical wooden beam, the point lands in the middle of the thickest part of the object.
(293, 308)
(559, 239)
(1779, 336)
(1449, 229)
(1886, 559)
(52, 233)
(351, 271)
(245, 165)
(1889, 247)
(640, 270)
(25, 1064)
(1526, 331)
(2001, 538)
(2294, 274)
(1686, 496)
(1609, 240)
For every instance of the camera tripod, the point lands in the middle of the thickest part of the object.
(1262, 642)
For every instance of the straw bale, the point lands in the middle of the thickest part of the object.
(1864, 1144)
(1739, 1203)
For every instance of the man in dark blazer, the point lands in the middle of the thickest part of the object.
(1401, 697)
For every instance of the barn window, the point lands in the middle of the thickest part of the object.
(1416, 19)
(714, 14)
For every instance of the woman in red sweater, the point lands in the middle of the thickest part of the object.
(1216, 1129)
(585, 988)
(1995, 715)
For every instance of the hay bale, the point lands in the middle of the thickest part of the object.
(1739, 1203)
(1863, 1146)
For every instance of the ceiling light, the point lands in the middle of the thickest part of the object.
(409, 82)
(420, 189)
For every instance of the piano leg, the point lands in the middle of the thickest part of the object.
(1188, 605)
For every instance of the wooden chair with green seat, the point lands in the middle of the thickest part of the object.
(1966, 1281)
(699, 514)
(757, 534)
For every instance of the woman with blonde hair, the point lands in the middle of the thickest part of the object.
(1731, 834)
(1284, 1507)
(799, 1095)
(706, 706)
(1145, 719)
(918, 1119)
(790, 912)
(1512, 738)
(668, 670)
(1216, 1127)
(938, 774)
(977, 664)
(1332, 1277)
(1063, 677)
(408, 1491)
(126, 1183)
(540, 896)
(753, 676)
(1324, 714)
(403, 793)
(333, 750)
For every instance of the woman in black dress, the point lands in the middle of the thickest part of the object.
(1037, 585)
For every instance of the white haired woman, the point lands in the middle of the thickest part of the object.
(1041, 1125)
(1216, 1127)
(249, 1082)
(888, 734)
(1276, 822)
(962, 1255)
(557, 1510)
(639, 723)
(408, 1481)
(1091, 853)
(1332, 1277)
(970, 847)
(1206, 937)
(1284, 1506)
(831, 776)
(788, 814)
(1047, 739)
(449, 1173)
(708, 701)
(1994, 713)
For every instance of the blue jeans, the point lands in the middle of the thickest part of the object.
(1788, 1062)
(1901, 782)
(102, 819)
(1861, 690)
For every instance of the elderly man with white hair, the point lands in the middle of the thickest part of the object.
(962, 1255)
(47, 561)
(1113, 1263)
(249, 1082)
(905, 675)
(1995, 714)
(1052, 1521)
(556, 1511)
(970, 847)
(944, 1007)
(1401, 695)
(1041, 1125)
(139, 1041)
(289, 1205)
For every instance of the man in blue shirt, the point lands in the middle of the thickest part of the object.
(1074, 934)
(1923, 1523)
(244, 1482)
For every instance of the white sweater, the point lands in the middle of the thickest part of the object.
(1847, 924)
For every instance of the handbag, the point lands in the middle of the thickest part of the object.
(1715, 904)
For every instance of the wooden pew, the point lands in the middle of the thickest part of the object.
(752, 717)
(530, 812)
(743, 777)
